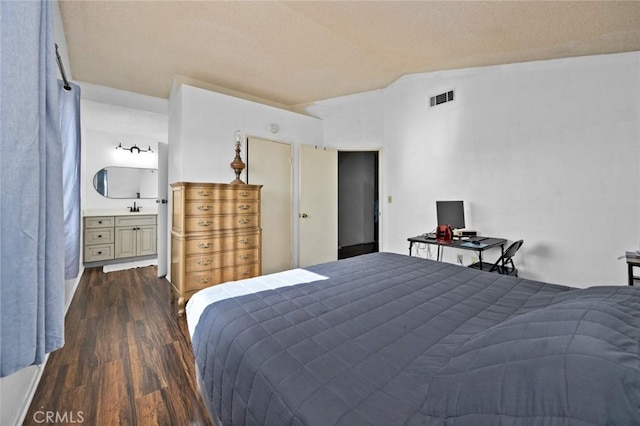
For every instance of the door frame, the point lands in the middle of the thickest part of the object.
(163, 228)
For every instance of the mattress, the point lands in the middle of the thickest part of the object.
(388, 339)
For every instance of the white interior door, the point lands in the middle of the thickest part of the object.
(318, 215)
(269, 164)
(163, 214)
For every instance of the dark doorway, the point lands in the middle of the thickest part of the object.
(357, 203)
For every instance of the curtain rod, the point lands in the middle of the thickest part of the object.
(61, 68)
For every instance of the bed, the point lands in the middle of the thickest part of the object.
(388, 339)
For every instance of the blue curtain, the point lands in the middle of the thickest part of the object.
(70, 133)
(31, 196)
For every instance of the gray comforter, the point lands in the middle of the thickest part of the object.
(394, 340)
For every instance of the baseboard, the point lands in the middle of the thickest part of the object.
(151, 261)
(72, 291)
(33, 386)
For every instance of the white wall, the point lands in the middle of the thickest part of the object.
(352, 122)
(544, 151)
(202, 124)
(206, 122)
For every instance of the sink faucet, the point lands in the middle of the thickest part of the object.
(134, 209)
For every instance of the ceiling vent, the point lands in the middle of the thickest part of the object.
(441, 98)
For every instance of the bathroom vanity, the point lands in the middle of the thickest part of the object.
(110, 237)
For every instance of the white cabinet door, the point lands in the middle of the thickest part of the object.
(146, 241)
(125, 242)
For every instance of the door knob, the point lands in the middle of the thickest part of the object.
(304, 215)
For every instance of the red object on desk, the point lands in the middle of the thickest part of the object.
(444, 234)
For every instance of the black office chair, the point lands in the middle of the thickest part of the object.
(504, 265)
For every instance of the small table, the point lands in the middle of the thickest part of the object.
(485, 243)
(632, 260)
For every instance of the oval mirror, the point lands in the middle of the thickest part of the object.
(126, 182)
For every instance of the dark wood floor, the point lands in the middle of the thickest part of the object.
(127, 359)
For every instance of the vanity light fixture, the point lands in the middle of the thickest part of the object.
(133, 148)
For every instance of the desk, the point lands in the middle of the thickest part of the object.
(632, 260)
(486, 243)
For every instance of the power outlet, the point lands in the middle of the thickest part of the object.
(460, 259)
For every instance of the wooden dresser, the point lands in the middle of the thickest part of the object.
(215, 236)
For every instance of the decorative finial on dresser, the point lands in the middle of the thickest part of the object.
(237, 165)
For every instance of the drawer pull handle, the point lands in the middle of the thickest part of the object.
(244, 256)
(245, 273)
(245, 241)
(204, 246)
(204, 193)
(204, 208)
(203, 223)
(204, 262)
(244, 221)
(99, 221)
(99, 236)
(99, 252)
(204, 280)
(244, 194)
(244, 207)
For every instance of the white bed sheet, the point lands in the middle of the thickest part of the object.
(199, 301)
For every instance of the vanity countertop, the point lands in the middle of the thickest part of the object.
(119, 212)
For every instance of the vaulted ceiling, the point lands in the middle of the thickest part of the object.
(292, 53)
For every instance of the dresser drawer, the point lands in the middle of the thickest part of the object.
(214, 244)
(206, 279)
(193, 208)
(98, 236)
(98, 221)
(247, 271)
(208, 193)
(220, 260)
(218, 223)
(98, 252)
